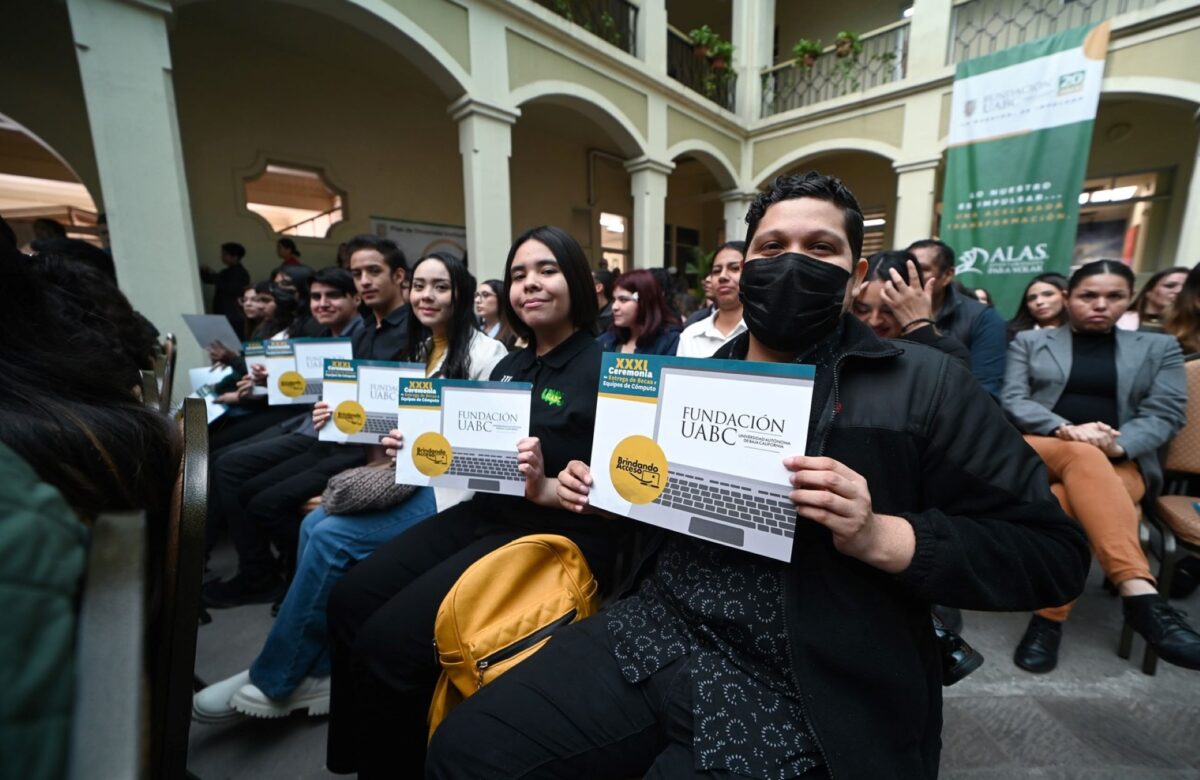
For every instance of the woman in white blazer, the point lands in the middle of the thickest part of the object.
(1097, 403)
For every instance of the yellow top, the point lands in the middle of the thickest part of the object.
(435, 355)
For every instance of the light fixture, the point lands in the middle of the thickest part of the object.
(1083, 198)
(871, 223)
(1109, 195)
(907, 13)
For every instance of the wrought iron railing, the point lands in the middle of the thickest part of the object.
(697, 72)
(613, 20)
(316, 226)
(882, 59)
(985, 26)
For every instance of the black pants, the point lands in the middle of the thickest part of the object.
(262, 486)
(381, 617)
(226, 431)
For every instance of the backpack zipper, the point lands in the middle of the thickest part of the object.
(504, 653)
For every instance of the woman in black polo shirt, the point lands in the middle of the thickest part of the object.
(381, 614)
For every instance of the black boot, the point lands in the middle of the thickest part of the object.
(950, 617)
(1163, 627)
(1038, 650)
(958, 658)
(1187, 577)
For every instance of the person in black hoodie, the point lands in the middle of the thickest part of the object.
(913, 490)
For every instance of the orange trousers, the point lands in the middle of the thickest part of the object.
(1103, 497)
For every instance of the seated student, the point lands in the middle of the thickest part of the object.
(977, 327)
(895, 301)
(727, 664)
(292, 671)
(1096, 403)
(1183, 318)
(708, 334)
(642, 323)
(296, 278)
(1043, 305)
(1150, 306)
(381, 614)
(487, 307)
(251, 312)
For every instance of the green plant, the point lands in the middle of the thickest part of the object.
(848, 44)
(703, 39)
(720, 52)
(806, 52)
(563, 9)
(608, 29)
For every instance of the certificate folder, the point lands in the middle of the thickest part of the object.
(696, 446)
(362, 398)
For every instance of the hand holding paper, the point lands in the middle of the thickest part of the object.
(321, 414)
(392, 443)
(574, 484)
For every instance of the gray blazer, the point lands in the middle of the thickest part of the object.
(1151, 390)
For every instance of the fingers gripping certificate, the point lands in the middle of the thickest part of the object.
(697, 446)
(462, 434)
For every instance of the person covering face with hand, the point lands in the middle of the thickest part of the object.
(897, 510)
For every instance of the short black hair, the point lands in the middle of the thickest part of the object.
(288, 244)
(945, 253)
(337, 278)
(575, 269)
(737, 246)
(77, 250)
(392, 254)
(1097, 267)
(234, 249)
(810, 185)
(605, 279)
(880, 265)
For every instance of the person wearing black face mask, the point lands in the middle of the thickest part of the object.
(722, 664)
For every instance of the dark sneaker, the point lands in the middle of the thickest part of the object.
(958, 658)
(950, 617)
(1163, 627)
(239, 590)
(1038, 650)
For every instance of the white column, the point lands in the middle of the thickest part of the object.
(652, 35)
(736, 203)
(125, 68)
(1188, 252)
(485, 142)
(648, 183)
(929, 37)
(915, 185)
(753, 40)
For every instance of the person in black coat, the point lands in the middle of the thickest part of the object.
(230, 281)
(727, 664)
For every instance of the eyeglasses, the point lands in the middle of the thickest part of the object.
(483, 296)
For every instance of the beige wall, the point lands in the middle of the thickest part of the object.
(868, 176)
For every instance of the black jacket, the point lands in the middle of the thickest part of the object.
(936, 450)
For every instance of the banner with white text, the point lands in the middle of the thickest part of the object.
(1020, 133)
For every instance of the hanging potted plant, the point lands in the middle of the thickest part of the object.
(847, 44)
(720, 54)
(703, 39)
(806, 52)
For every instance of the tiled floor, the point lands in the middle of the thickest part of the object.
(1095, 717)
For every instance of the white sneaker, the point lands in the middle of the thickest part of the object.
(211, 705)
(312, 694)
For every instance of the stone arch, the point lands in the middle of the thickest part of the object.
(591, 104)
(790, 159)
(711, 157)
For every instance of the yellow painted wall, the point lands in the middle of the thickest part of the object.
(445, 21)
(681, 127)
(1170, 57)
(323, 94)
(886, 126)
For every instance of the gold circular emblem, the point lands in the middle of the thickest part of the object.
(431, 454)
(349, 417)
(291, 384)
(638, 469)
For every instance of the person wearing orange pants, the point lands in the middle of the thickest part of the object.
(1096, 404)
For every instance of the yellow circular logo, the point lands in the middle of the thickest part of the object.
(349, 417)
(638, 469)
(431, 454)
(291, 384)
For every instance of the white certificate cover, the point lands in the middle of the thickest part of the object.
(362, 398)
(210, 329)
(697, 445)
(462, 434)
(296, 368)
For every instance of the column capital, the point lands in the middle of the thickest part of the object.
(738, 196)
(467, 106)
(909, 166)
(639, 164)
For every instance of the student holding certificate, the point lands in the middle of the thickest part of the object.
(726, 664)
(381, 615)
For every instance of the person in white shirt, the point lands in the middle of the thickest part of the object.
(705, 337)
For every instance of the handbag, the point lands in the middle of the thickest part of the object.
(364, 489)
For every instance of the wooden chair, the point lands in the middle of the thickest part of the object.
(150, 395)
(1172, 515)
(180, 574)
(108, 728)
(170, 348)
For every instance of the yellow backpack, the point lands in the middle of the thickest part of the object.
(503, 609)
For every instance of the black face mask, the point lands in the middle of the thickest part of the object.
(792, 301)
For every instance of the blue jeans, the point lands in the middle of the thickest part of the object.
(298, 645)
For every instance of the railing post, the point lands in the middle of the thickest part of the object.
(753, 41)
(929, 37)
(652, 35)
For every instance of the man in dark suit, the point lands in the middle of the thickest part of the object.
(230, 281)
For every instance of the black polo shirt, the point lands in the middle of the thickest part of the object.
(386, 340)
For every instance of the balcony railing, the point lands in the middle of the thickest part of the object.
(985, 26)
(697, 73)
(833, 74)
(613, 20)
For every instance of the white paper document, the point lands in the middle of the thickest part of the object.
(362, 398)
(210, 329)
(697, 445)
(462, 434)
(296, 368)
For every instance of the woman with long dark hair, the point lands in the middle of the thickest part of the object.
(1043, 305)
(1149, 308)
(381, 614)
(643, 322)
(1183, 319)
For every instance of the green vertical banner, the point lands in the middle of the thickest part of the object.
(1020, 133)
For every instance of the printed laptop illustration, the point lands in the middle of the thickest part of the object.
(737, 511)
(474, 468)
